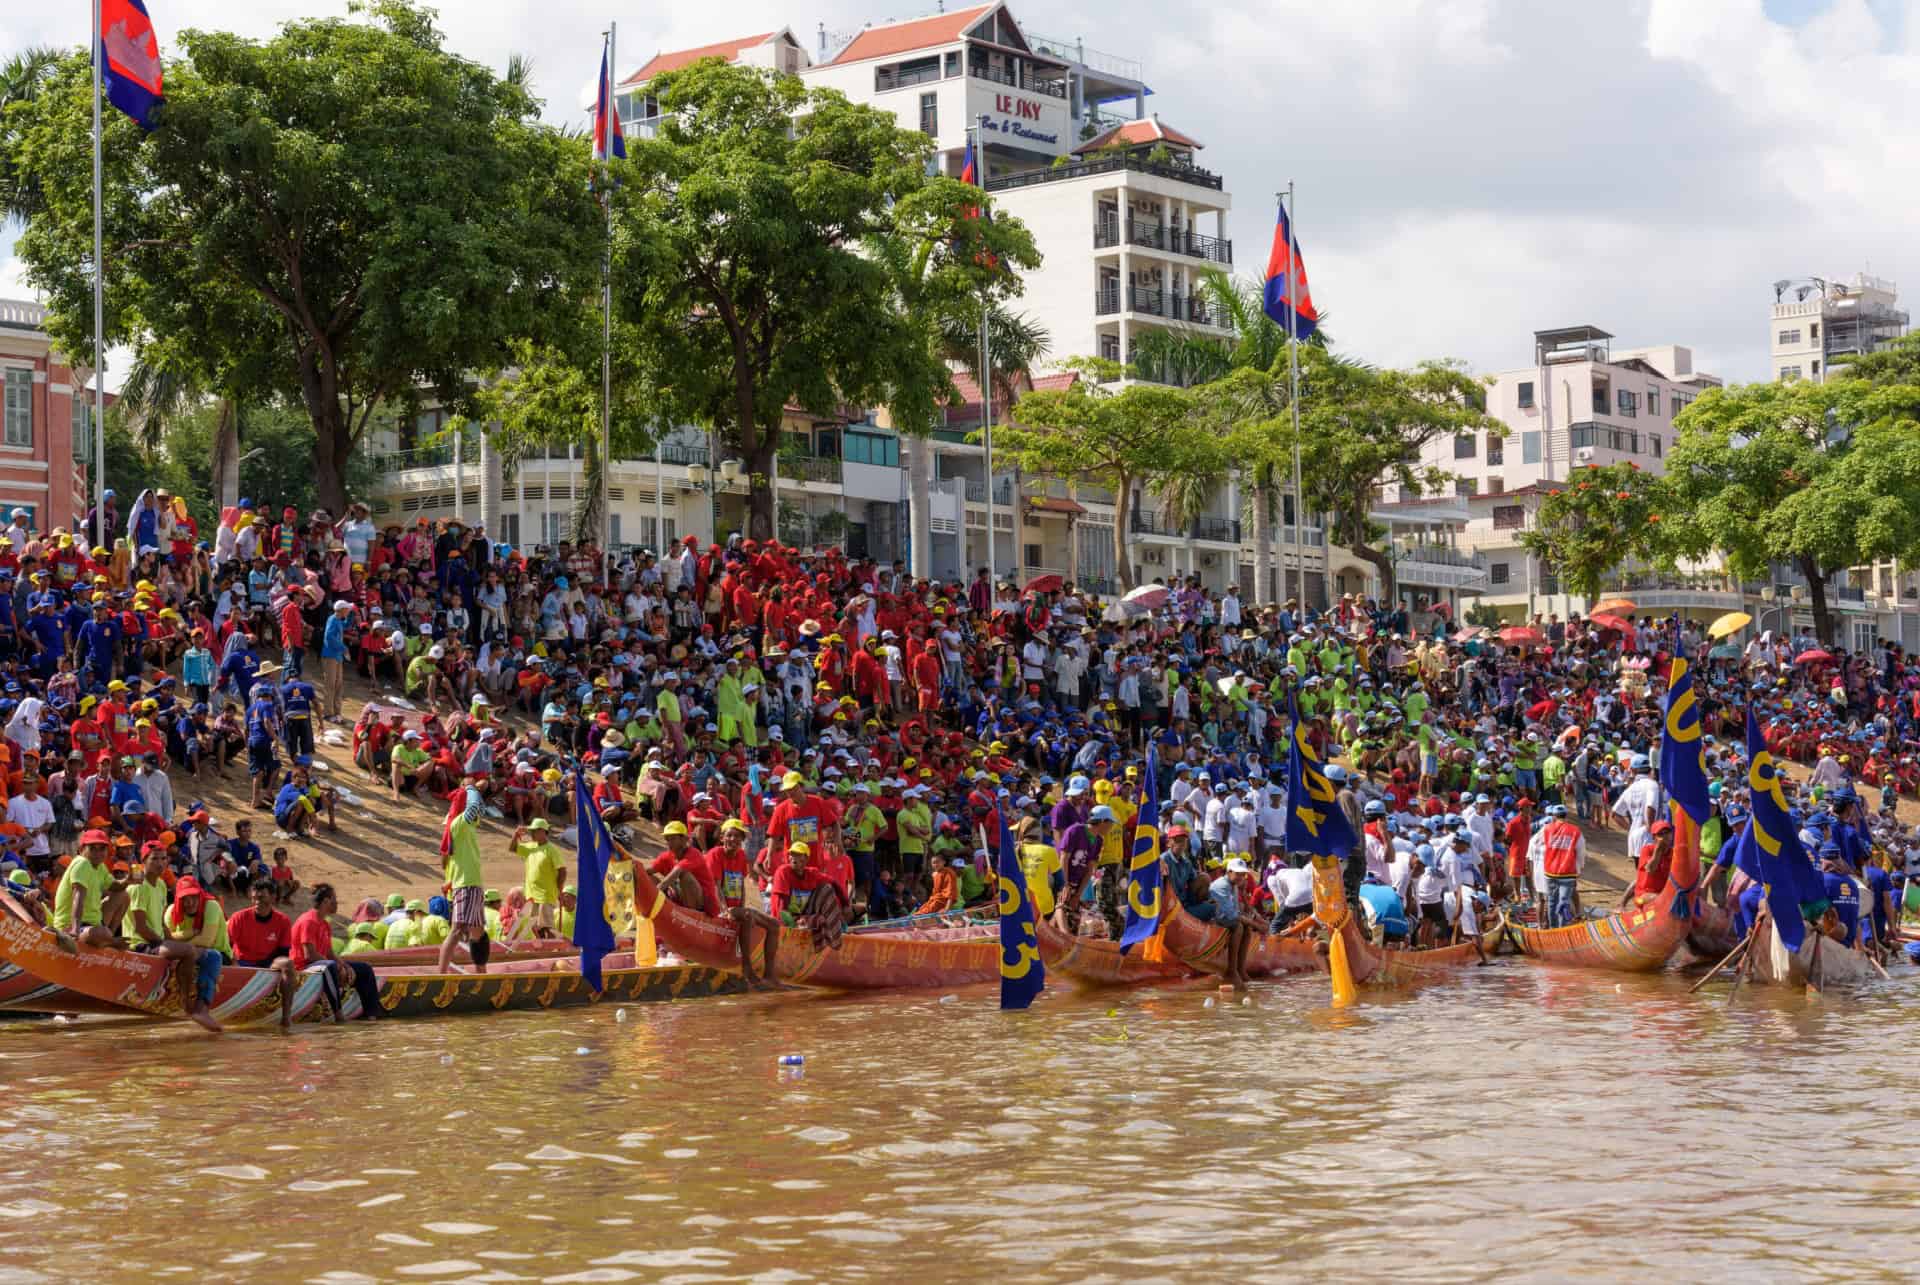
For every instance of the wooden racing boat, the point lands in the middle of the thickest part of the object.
(123, 980)
(1097, 961)
(1634, 939)
(1821, 963)
(1201, 946)
(913, 958)
(1711, 935)
(1380, 965)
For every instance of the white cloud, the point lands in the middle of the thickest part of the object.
(1469, 170)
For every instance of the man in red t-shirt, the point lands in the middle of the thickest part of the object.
(682, 872)
(1519, 835)
(1655, 862)
(727, 873)
(313, 949)
(262, 937)
(800, 818)
(808, 890)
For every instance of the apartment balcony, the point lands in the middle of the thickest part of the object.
(1002, 492)
(1108, 233)
(685, 455)
(1127, 163)
(824, 470)
(1052, 87)
(438, 455)
(1211, 529)
(1439, 566)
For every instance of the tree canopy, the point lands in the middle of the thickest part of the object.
(1600, 518)
(346, 214)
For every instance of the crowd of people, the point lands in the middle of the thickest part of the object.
(824, 739)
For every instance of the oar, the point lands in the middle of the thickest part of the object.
(1761, 921)
(1739, 950)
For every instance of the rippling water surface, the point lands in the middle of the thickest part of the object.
(1518, 1121)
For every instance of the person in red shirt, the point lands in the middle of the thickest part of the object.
(1519, 834)
(799, 818)
(262, 937)
(817, 904)
(311, 947)
(1655, 861)
(682, 872)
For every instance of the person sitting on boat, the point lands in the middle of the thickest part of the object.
(312, 952)
(1225, 893)
(1430, 886)
(1386, 913)
(197, 942)
(945, 894)
(1181, 873)
(1292, 889)
(682, 874)
(144, 925)
(1843, 894)
(727, 872)
(1039, 864)
(973, 885)
(262, 937)
(88, 897)
(28, 895)
(802, 894)
(1653, 861)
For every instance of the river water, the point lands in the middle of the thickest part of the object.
(1518, 1121)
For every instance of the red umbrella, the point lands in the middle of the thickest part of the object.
(1607, 621)
(1810, 657)
(1045, 584)
(1521, 635)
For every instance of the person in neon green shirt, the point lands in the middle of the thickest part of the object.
(914, 826)
(565, 920)
(403, 934)
(86, 892)
(494, 929)
(469, 907)
(542, 882)
(145, 920)
(361, 938)
(432, 928)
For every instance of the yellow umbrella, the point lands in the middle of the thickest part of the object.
(1731, 623)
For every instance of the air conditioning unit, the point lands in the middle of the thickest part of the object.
(1583, 455)
(1208, 559)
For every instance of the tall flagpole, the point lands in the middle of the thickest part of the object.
(606, 347)
(1293, 375)
(986, 378)
(100, 538)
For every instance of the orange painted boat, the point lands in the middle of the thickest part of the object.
(251, 996)
(1201, 946)
(910, 959)
(1097, 961)
(1711, 935)
(1635, 939)
(1378, 965)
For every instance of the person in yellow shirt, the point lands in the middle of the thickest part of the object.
(544, 867)
(88, 897)
(405, 933)
(433, 928)
(564, 925)
(1040, 864)
(197, 942)
(144, 925)
(361, 938)
(494, 930)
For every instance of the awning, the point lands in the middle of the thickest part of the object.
(1056, 504)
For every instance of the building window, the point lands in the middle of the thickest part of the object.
(19, 407)
(1813, 332)
(1497, 573)
(1496, 449)
(1509, 517)
(930, 115)
(953, 62)
(1655, 439)
(879, 449)
(1815, 367)
(1496, 486)
(82, 422)
(1530, 447)
(1032, 555)
(1629, 403)
(1653, 399)
(1602, 392)
(1465, 446)
(613, 529)
(1526, 394)
(1789, 338)
(1786, 373)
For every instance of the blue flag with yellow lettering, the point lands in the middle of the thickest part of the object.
(592, 933)
(1022, 975)
(1773, 853)
(1143, 871)
(1315, 822)
(1683, 772)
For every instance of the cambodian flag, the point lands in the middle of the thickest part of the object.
(1277, 305)
(130, 60)
(608, 141)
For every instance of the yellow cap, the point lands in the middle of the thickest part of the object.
(733, 823)
(792, 781)
(802, 849)
(674, 827)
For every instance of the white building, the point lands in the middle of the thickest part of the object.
(1816, 322)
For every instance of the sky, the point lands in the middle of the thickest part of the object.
(1469, 171)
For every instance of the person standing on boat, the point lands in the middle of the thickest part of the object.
(544, 874)
(1225, 895)
(1563, 850)
(461, 848)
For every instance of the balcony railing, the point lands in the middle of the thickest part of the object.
(1030, 83)
(1108, 165)
(1106, 300)
(1221, 530)
(811, 468)
(895, 78)
(1435, 555)
(1158, 236)
(1002, 491)
(1148, 300)
(1150, 522)
(684, 454)
(439, 455)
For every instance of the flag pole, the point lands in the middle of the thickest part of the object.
(986, 375)
(100, 538)
(606, 345)
(1293, 376)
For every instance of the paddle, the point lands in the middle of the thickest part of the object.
(1739, 950)
(1760, 921)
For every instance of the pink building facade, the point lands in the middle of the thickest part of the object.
(44, 423)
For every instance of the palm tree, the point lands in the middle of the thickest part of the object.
(157, 392)
(22, 78)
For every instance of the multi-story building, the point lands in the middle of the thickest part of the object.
(1817, 322)
(45, 437)
(1126, 219)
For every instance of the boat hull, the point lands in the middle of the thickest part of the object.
(1097, 961)
(1202, 947)
(1373, 965)
(251, 996)
(1834, 966)
(912, 959)
(1636, 939)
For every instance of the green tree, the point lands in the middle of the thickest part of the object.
(751, 250)
(1897, 363)
(1138, 435)
(1361, 426)
(346, 214)
(23, 77)
(1598, 519)
(1819, 476)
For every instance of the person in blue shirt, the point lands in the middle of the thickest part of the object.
(99, 641)
(263, 729)
(296, 704)
(241, 667)
(1225, 893)
(47, 634)
(1386, 909)
(1843, 891)
(333, 657)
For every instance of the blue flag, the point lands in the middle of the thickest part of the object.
(1683, 772)
(1774, 856)
(1315, 823)
(129, 60)
(1143, 874)
(592, 933)
(1022, 974)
